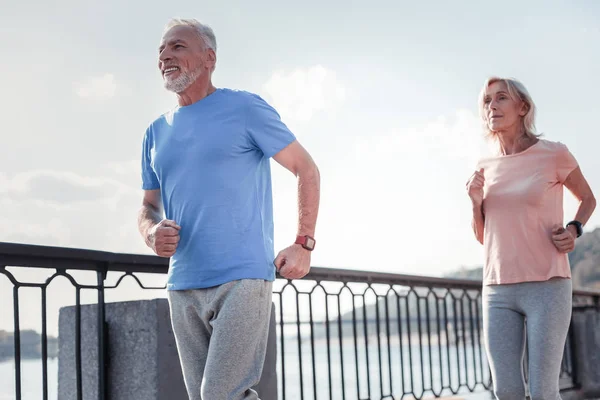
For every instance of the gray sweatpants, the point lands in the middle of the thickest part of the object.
(543, 311)
(221, 335)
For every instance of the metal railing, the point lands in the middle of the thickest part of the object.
(341, 334)
(382, 335)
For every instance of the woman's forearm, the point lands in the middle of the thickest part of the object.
(586, 208)
(478, 222)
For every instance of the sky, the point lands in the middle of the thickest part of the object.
(382, 94)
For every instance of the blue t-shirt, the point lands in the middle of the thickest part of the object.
(210, 161)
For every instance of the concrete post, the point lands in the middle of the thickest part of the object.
(143, 363)
(586, 333)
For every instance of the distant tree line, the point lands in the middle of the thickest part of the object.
(31, 345)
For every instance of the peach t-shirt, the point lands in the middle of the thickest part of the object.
(522, 200)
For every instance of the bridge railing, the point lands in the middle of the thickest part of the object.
(341, 334)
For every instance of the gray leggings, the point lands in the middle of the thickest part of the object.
(543, 311)
(221, 335)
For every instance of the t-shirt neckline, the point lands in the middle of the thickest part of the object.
(519, 153)
(198, 103)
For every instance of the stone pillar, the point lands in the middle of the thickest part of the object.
(267, 387)
(586, 333)
(142, 358)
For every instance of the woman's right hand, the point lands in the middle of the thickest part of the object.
(475, 187)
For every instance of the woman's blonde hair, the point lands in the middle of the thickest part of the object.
(517, 91)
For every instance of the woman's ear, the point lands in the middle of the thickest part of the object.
(524, 109)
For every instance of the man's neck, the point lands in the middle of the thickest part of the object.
(196, 92)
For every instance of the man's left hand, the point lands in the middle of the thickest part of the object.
(293, 262)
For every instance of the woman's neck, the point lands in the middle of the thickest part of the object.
(514, 142)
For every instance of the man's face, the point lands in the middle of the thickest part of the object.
(183, 58)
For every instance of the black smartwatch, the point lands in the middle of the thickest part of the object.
(577, 226)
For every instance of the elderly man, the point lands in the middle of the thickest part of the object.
(207, 162)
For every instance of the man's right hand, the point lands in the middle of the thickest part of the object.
(475, 187)
(164, 237)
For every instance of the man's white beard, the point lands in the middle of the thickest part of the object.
(183, 81)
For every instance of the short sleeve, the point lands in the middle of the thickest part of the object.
(565, 163)
(149, 178)
(265, 128)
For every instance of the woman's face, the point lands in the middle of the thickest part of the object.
(501, 111)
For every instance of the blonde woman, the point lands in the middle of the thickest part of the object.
(517, 199)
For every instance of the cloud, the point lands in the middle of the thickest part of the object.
(60, 208)
(125, 167)
(447, 138)
(61, 187)
(299, 94)
(53, 231)
(99, 87)
(399, 192)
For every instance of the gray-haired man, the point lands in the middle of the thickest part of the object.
(207, 162)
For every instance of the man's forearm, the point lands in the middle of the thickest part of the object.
(148, 216)
(309, 187)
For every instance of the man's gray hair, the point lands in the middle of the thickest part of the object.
(205, 32)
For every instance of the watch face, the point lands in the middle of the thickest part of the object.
(310, 243)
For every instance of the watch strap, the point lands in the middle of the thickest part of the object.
(306, 241)
(578, 226)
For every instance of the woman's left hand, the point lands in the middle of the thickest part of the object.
(563, 239)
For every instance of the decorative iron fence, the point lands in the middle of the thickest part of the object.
(341, 334)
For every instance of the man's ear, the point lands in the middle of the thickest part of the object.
(212, 57)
